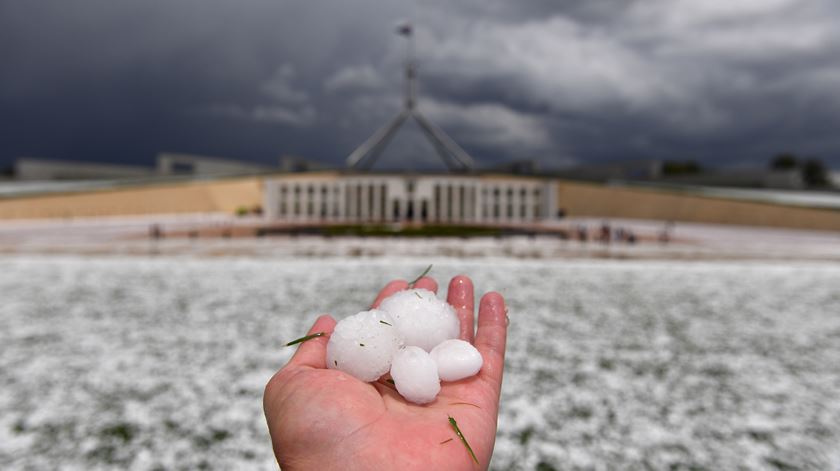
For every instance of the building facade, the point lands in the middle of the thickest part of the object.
(362, 198)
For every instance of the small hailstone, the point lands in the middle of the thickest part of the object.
(421, 318)
(415, 375)
(456, 359)
(363, 345)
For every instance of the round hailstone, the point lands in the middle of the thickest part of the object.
(456, 359)
(363, 345)
(415, 375)
(421, 318)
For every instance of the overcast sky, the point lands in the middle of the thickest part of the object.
(726, 82)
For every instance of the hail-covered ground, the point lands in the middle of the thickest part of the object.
(128, 362)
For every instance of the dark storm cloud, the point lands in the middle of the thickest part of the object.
(728, 82)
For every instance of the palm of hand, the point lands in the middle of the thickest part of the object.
(325, 419)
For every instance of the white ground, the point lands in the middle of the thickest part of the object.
(125, 362)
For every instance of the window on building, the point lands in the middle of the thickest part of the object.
(436, 202)
(348, 204)
(358, 201)
(182, 168)
(537, 204)
(335, 201)
(371, 202)
(310, 201)
(510, 203)
(283, 193)
(395, 212)
(409, 209)
(497, 210)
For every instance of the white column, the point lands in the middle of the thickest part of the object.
(377, 197)
(271, 200)
(502, 203)
(301, 202)
(350, 201)
(374, 208)
(448, 209)
(316, 202)
(308, 198)
(333, 208)
(356, 208)
(479, 201)
(432, 210)
(284, 199)
(380, 206)
(550, 190)
(514, 203)
(468, 201)
(384, 199)
(444, 202)
(337, 200)
(297, 201)
(529, 205)
(456, 202)
(483, 199)
(363, 195)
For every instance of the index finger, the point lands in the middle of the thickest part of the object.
(389, 289)
(425, 282)
(460, 297)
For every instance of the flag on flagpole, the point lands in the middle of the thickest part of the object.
(404, 29)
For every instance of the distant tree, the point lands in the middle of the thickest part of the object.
(813, 170)
(784, 161)
(675, 167)
(814, 173)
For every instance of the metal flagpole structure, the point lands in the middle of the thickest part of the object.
(455, 158)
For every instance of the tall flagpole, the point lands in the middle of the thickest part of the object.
(455, 158)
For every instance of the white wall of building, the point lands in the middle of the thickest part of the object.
(409, 198)
(44, 169)
(186, 164)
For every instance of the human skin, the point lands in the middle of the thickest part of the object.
(324, 419)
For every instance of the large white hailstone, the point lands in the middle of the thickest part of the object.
(415, 375)
(456, 359)
(363, 345)
(421, 318)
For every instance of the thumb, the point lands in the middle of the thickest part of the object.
(313, 353)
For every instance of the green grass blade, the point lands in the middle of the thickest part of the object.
(425, 272)
(461, 437)
(304, 339)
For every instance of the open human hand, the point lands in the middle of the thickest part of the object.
(324, 419)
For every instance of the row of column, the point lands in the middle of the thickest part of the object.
(371, 201)
(515, 203)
